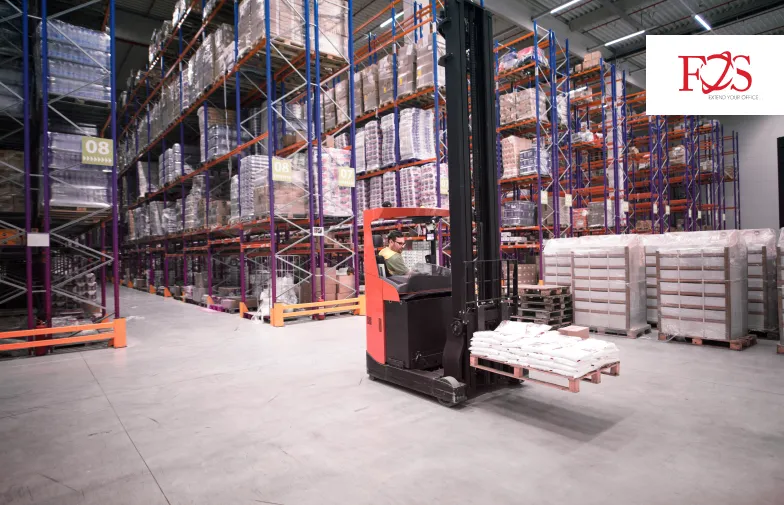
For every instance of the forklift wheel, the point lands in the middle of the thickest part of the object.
(446, 403)
(372, 378)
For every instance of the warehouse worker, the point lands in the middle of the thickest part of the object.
(391, 254)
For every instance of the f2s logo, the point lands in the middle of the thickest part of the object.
(711, 65)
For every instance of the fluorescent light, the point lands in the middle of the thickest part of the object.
(702, 22)
(583, 88)
(624, 38)
(107, 170)
(562, 7)
(389, 21)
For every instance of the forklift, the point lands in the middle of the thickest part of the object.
(419, 326)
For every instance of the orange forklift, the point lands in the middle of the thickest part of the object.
(419, 325)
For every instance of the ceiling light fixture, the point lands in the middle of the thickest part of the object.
(389, 21)
(624, 38)
(702, 22)
(562, 7)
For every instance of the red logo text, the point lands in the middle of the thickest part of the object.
(723, 65)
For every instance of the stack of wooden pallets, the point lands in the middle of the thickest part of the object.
(546, 304)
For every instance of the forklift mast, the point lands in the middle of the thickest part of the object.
(477, 302)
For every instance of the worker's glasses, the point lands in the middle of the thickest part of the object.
(401, 244)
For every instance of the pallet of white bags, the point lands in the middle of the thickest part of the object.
(522, 373)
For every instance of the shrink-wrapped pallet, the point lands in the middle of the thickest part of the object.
(388, 148)
(369, 88)
(373, 145)
(406, 70)
(359, 150)
(385, 80)
(558, 261)
(416, 135)
(703, 285)
(337, 198)
(409, 181)
(434, 187)
(651, 244)
(510, 155)
(424, 62)
(761, 256)
(390, 188)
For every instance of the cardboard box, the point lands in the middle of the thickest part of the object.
(345, 287)
(575, 331)
(228, 291)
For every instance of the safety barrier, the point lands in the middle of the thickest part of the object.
(282, 311)
(116, 335)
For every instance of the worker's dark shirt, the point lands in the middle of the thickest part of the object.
(394, 262)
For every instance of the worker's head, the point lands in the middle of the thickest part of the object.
(396, 241)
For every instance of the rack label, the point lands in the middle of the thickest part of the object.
(444, 186)
(655, 208)
(567, 200)
(543, 197)
(281, 169)
(318, 231)
(666, 210)
(624, 206)
(346, 177)
(97, 151)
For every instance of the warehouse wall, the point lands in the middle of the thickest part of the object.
(759, 168)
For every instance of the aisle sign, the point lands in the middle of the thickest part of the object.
(281, 169)
(346, 177)
(97, 151)
(318, 231)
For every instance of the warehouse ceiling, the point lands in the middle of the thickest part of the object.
(601, 21)
(588, 24)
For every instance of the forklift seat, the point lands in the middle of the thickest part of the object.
(378, 241)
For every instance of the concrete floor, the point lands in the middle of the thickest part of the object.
(204, 408)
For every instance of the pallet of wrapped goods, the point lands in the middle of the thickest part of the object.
(388, 144)
(358, 95)
(337, 198)
(385, 81)
(433, 187)
(510, 155)
(424, 62)
(342, 105)
(702, 284)
(608, 276)
(545, 304)
(558, 261)
(376, 192)
(651, 244)
(359, 150)
(518, 213)
(363, 198)
(548, 213)
(12, 181)
(409, 181)
(373, 145)
(761, 255)
(329, 113)
(369, 76)
(148, 178)
(333, 27)
(527, 162)
(416, 142)
(390, 188)
(406, 70)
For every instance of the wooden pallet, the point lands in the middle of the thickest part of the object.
(733, 345)
(562, 301)
(542, 291)
(545, 314)
(551, 321)
(630, 333)
(765, 334)
(522, 373)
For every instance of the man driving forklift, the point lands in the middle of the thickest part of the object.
(393, 259)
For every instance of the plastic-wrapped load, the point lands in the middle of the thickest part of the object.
(170, 163)
(290, 197)
(369, 88)
(328, 109)
(341, 140)
(528, 159)
(155, 218)
(363, 198)
(74, 183)
(285, 23)
(337, 198)
(651, 244)
(677, 155)
(558, 261)
(761, 255)
(342, 105)
(416, 135)
(147, 184)
(376, 193)
(432, 188)
(373, 145)
(538, 347)
(518, 213)
(333, 26)
(409, 181)
(424, 62)
(12, 181)
(359, 149)
(220, 134)
(358, 96)
(388, 129)
(172, 218)
(78, 61)
(510, 155)
(703, 285)
(390, 188)
(525, 104)
(406, 65)
(385, 81)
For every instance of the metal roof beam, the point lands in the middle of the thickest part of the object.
(608, 10)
